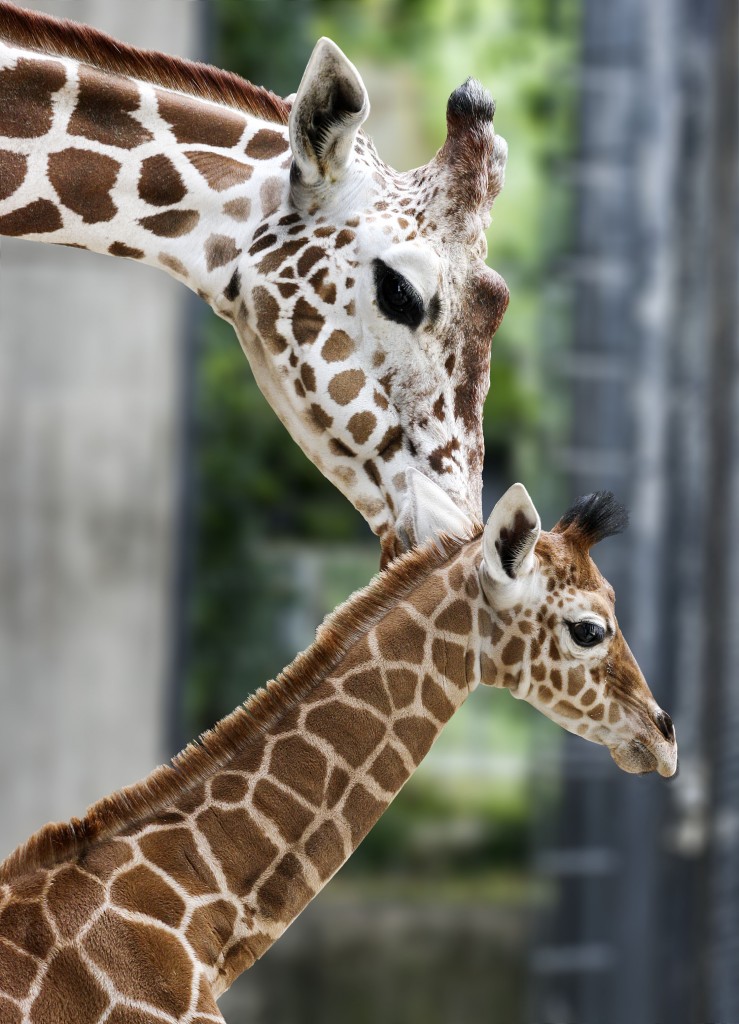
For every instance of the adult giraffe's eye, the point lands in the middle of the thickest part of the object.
(585, 633)
(397, 298)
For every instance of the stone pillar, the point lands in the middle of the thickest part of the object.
(91, 353)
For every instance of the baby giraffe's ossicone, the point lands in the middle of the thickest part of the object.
(553, 638)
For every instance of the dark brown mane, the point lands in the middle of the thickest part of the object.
(198, 761)
(53, 36)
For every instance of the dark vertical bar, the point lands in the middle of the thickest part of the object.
(723, 551)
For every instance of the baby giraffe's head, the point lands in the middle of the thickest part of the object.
(548, 628)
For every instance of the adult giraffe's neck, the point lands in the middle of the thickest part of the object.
(112, 149)
(254, 823)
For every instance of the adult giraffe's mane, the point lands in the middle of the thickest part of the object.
(31, 30)
(336, 636)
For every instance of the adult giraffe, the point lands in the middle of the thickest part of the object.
(360, 295)
(148, 908)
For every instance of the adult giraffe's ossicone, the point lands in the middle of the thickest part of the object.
(360, 295)
(149, 907)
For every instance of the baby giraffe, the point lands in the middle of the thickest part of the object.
(146, 910)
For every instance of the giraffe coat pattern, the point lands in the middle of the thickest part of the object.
(360, 295)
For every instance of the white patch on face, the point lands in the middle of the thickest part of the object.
(419, 264)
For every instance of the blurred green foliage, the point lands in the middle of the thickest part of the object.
(253, 485)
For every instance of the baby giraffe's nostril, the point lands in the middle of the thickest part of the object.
(665, 726)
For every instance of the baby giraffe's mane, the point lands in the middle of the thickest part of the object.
(339, 632)
(57, 37)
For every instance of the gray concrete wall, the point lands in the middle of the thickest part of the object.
(90, 372)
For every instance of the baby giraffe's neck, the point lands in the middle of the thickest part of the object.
(255, 824)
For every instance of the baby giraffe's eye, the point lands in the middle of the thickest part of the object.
(585, 633)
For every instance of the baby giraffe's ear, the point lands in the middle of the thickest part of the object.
(510, 536)
(428, 511)
(327, 110)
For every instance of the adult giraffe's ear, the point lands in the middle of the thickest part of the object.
(510, 537)
(329, 106)
(427, 512)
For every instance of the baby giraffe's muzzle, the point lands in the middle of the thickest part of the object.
(654, 751)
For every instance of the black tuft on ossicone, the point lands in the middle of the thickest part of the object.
(470, 102)
(594, 517)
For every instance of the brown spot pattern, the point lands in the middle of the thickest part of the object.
(449, 660)
(229, 788)
(221, 128)
(337, 347)
(567, 710)
(417, 734)
(456, 618)
(435, 700)
(26, 111)
(361, 425)
(285, 892)
(336, 788)
(210, 928)
(326, 849)
(69, 983)
(175, 852)
(105, 103)
(297, 764)
(513, 651)
(72, 898)
(307, 323)
(171, 223)
(274, 260)
(361, 811)
(401, 638)
(17, 970)
(241, 846)
(368, 687)
(220, 250)
(266, 144)
(127, 251)
(319, 417)
(238, 209)
(308, 259)
(38, 218)
(172, 263)
(12, 170)
(143, 891)
(270, 196)
(353, 733)
(163, 975)
(160, 183)
(221, 173)
(290, 817)
(268, 311)
(390, 443)
(403, 684)
(575, 680)
(345, 386)
(24, 925)
(83, 180)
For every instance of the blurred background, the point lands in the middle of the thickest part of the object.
(165, 548)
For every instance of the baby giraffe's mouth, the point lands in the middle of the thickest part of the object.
(634, 757)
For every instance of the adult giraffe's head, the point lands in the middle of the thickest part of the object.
(548, 629)
(360, 295)
(370, 288)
